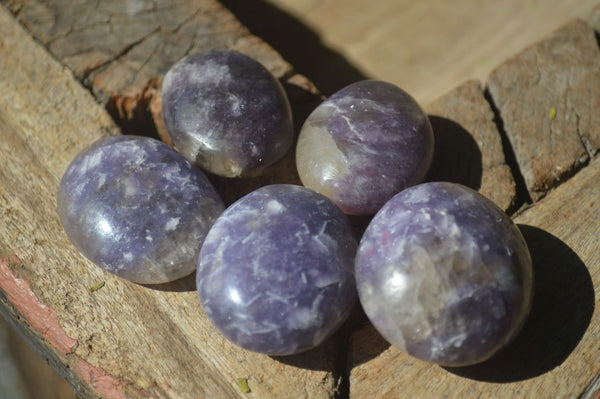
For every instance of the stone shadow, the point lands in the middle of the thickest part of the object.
(336, 353)
(456, 157)
(321, 358)
(184, 284)
(333, 353)
(563, 304)
(297, 43)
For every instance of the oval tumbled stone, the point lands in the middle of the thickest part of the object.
(276, 270)
(226, 113)
(137, 208)
(363, 145)
(444, 275)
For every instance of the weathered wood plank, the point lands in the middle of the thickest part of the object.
(129, 340)
(427, 47)
(469, 146)
(123, 340)
(117, 47)
(121, 49)
(547, 96)
(558, 352)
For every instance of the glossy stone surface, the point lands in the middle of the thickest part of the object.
(276, 270)
(363, 145)
(227, 113)
(444, 275)
(137, 208)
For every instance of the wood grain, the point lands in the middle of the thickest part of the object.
(123, 340)
(126, 340)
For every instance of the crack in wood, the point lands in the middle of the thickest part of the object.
(118, 56)
(523, 198)
(72, 30)
(186, 21)
(592, 391)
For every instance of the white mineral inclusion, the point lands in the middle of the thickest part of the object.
(227, 113)
(275, 273)
(364, 144)
(137, 208)
(444, 275)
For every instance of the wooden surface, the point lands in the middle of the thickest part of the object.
(123, 340)
(126, 340)
(468, 146)
(427, 47)
(120, 50)
(550, 90)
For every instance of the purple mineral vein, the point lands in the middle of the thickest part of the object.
(385, 138)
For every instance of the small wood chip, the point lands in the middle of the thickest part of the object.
(97, 286)
(15, 7)
(243, 384)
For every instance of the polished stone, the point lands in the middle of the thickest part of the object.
(363, 145)
(227, 113)
(444, 275)
(276, 270)
(137, 208)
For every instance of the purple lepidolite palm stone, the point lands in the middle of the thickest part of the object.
(227, 113)
(137, 208)
(444, 274)
(363, 145)
(276, 270)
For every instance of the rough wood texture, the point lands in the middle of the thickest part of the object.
(117, 47)
(547, 96)
(121, 49)
(558, 352)
(468, 145)
(123, 340)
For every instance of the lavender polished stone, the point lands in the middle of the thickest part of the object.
(444, 274)
(227, 113)
(137, 208)
(276, 270)
(363, 145)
